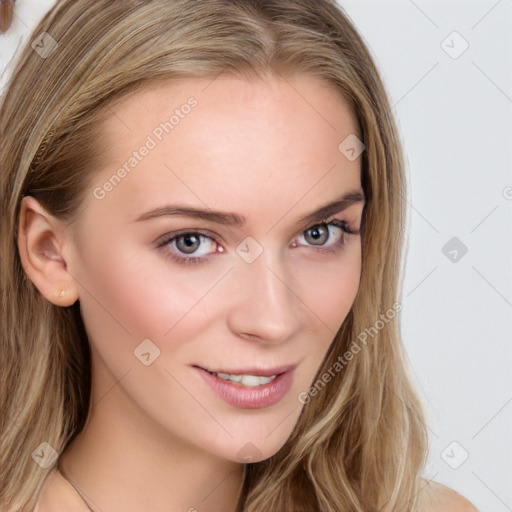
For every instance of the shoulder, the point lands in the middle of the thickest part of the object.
(444, 499)
(57, 495)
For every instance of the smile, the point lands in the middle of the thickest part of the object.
(249, 390)
(245, 380)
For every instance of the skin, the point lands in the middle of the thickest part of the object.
(157, 438)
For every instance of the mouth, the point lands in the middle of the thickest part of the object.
(249, 388)
(251, 377)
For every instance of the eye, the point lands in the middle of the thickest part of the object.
(189, 243)
(326, 237)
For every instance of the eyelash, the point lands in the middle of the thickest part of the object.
(343, 225)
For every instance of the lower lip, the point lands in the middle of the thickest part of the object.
(247, 397)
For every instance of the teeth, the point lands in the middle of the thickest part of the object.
(246, 380)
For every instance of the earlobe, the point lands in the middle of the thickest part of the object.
(41, 242)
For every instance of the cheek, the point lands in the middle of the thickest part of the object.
(329, 290)
(328, 302)
(129, 297)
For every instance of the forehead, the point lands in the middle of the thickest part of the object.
(228, 141)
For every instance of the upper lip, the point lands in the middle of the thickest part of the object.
(253, 370)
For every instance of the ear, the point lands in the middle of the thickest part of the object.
(42, 240)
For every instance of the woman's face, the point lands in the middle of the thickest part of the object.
(244, 282)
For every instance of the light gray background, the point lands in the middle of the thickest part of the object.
(454, 114)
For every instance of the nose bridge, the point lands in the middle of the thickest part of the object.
(265, 306)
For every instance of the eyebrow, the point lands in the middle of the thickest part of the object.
(237, 220)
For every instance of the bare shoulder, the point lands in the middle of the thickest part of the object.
(445, 499)
(57, 495)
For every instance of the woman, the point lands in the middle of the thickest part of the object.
(203, 211)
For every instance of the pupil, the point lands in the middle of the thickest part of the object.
(188, 243)
(318, 234)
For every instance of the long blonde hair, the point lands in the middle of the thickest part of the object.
(359, 445)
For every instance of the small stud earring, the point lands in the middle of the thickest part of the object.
(62, 293)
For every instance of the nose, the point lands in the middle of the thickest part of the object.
(264, 305)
